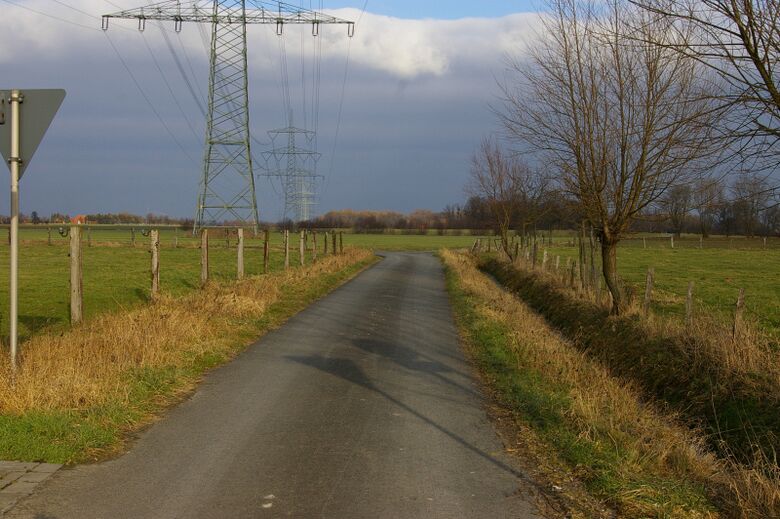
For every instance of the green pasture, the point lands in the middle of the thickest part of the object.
(718, 272)
(116, 273)
(116, 276)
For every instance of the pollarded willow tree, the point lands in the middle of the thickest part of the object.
(510, 188)
(619, 120)
(738, 40)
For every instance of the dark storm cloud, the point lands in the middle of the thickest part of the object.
(414, 107)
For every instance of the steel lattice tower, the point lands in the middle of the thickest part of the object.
(227, 188)
(295, 166)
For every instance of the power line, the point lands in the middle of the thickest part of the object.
(168, 85)
(341, 101)
(41, 13)
(146, 98)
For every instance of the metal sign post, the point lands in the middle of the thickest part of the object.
(18, 142)
(14, 161)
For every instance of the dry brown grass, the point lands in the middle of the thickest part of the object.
(88, 365)
(603, 406)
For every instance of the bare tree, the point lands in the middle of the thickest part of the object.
(677, 202)
(740, 41)
(751, 196)
(507, 185)
(619, 119)
(706, 194)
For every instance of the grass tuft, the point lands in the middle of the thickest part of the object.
(77, 393)
(635, 455)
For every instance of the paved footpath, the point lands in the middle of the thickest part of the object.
(361, 406)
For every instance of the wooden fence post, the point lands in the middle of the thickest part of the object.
(266, 250)
(240, 255)
(701, 242)
(573, 272)
(325, 236)
(155, 250)
(738, 309)
(341, 242)
(672, 240)
(644, 243)
(89, 236)
(598, 291)
(557, 263)
(689, 304)
(204, 257)
(302, 248)
(132, 236)
(176, 238)
(49, 239)
(314, 245)
(648, 290)
(76, 296)
(544, 260)
(534, 253)
(333, 236)
(286, 249)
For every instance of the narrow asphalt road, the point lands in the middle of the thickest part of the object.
(362, 406)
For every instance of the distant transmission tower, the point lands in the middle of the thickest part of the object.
(228, 186)
(295, 166)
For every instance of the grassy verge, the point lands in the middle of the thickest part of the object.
(116, 274)
(78, 393)
(627, 451)
(717, 273)
(729, 387)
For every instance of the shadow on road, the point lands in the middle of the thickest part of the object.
(349, 371)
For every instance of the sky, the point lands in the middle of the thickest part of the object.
(397, 134)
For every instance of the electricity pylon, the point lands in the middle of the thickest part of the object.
(227, 188)
(295, 166)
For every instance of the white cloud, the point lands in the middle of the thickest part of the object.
(415, 105)
(411, 48)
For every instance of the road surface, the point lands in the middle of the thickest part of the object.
(361, 406)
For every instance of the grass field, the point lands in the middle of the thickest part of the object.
(116, 275)
(717, 273)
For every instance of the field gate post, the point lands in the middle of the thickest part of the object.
(573, 273)
(240, 255)
(302, 247)
(155, 249)
(738, 310)
(648, 290)
(76, 286)
(266, 250)
(204, 257)
(689, 304)
(286, 249)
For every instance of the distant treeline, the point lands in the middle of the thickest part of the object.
(750, 212)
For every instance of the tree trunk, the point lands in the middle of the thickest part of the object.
(609, 268)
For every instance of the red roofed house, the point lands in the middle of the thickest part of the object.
(79, 219)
